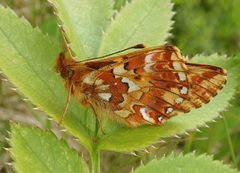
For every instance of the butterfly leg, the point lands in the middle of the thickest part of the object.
(67, 104)
(99, 122)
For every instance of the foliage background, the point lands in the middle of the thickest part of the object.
(201, 27)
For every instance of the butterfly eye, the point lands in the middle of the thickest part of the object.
(67, 73)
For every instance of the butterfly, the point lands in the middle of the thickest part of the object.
(147, 86)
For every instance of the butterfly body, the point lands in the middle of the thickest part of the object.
(143, 87)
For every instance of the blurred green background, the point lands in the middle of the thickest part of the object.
(201, 26)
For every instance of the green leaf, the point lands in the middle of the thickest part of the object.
(127, 139)
(185, 164)
(84, 22)
(139, 21)
(36, 151)
(50, 27)
(118, 4)
(27, 59)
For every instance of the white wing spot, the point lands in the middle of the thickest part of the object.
(177, 66)
(182, 76)
(148, 63)
(131, 85)
(169, 110)
(119, 70)
(147, 68)
(179, 100)
(148, 58)
(105, 96)
(145, 115)
(184, 90)
(123, 113)
(89, 79)
(99, 82)
(160, 119)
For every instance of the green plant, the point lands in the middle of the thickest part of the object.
(27, 58)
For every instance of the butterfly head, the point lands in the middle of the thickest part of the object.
(70, 69)
(64, 66)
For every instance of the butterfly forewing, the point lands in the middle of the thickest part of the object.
(147, 86)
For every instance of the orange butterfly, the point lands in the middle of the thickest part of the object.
(146, 86)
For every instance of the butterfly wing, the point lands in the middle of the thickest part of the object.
(151, 85)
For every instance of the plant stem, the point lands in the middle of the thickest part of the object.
(230, 143)
(95, 160)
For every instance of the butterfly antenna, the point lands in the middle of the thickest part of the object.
(67, 105)
(65, 41)
(137, 46)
